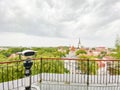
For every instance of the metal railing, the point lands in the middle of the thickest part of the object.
(68, 71)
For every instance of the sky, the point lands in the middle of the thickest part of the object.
(59, 22)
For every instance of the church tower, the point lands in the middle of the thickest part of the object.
(79, 44)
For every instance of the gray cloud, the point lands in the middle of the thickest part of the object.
(61, 18)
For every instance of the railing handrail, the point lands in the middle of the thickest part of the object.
(14, 61)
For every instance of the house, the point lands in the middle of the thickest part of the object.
(101, 49)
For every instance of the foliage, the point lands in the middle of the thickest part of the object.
(102, 54)
(2, 57)
(16, 70)
(7, 53)
(117, 43)
(54, 66)
(81, 52)
(41, 52)
(114, 68)
(11, 72)
(87, 65)
(48, 66)
(116, 53)
(48, 52)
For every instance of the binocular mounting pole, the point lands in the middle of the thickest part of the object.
(27, 65)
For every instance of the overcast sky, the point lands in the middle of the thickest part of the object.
(59, 22)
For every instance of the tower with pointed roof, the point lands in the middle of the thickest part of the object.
(79, 44)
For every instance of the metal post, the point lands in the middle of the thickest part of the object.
(87, 72)
(40, 70)
(28, 64)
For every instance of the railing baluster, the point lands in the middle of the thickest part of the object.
(12, 77)
(22, 77)
(37, 70)
(106, 72)
(87, 72)
(34, 71)
(118, 73)
(17, 75)
(3, 78)
(7, 77)
(97, 74)
(40, 70)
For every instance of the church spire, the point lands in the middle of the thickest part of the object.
(79, 44)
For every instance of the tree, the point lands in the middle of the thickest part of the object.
(117, 43)
(81, 52)
(88, 62)
(116, 55)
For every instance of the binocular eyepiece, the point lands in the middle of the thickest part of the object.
(27, 53)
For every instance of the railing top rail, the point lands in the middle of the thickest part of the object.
(9, 62)
(81, 59)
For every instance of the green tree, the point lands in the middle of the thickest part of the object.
(16, 70)
(117, 43)
(87, 64)
(116, 55)
(81, 52)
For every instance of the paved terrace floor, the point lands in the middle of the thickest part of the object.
(66, 82)
(46, 86)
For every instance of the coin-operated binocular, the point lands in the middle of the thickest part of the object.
(27, 65)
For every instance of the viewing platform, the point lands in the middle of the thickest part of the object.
(61, 74)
